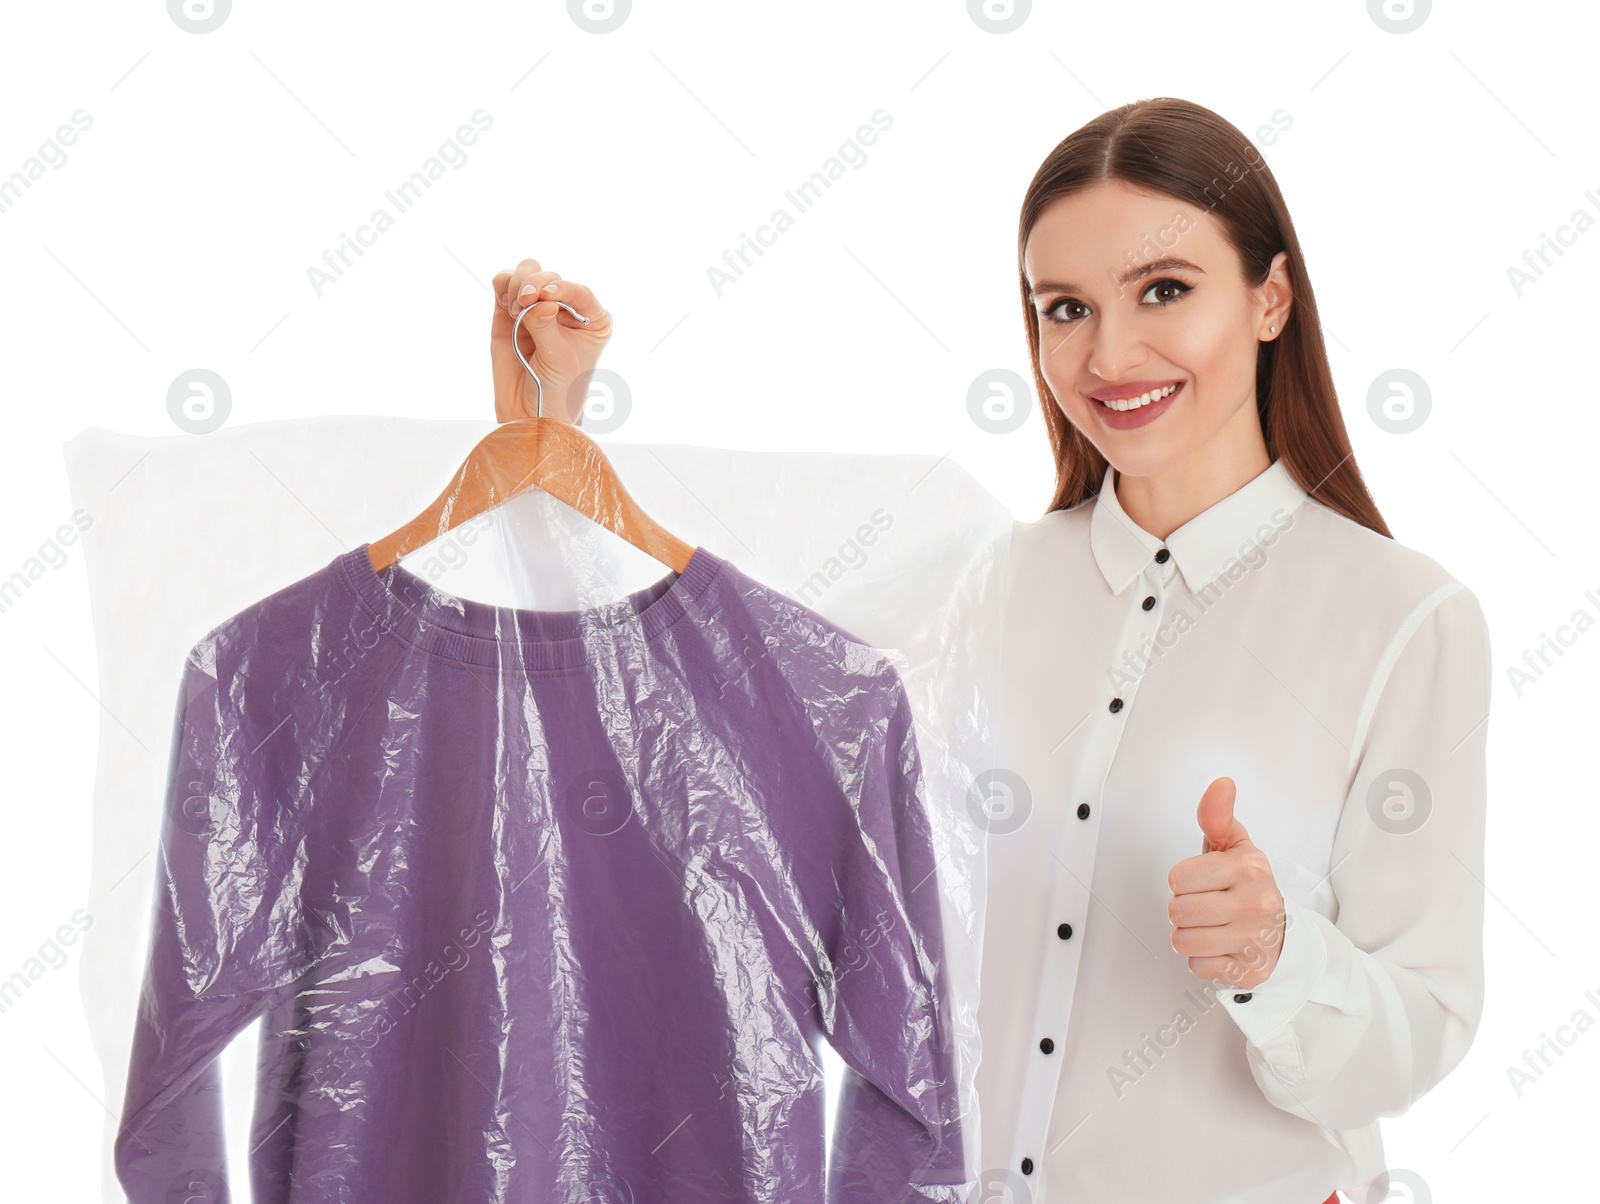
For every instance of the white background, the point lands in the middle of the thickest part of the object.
(218, 168)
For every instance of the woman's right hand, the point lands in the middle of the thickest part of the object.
(562, 350)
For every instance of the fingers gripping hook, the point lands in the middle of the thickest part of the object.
(538, 386)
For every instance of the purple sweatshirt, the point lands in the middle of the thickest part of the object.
(544, 905)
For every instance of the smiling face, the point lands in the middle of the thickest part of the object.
(1140, 296)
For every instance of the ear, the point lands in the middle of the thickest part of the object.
(1275, 296)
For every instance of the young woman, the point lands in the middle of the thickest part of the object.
(1235, 902)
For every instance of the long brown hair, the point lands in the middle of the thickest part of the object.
(1183, 150)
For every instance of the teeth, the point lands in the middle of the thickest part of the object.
(1144, 399)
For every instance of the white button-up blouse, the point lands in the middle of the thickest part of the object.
(1342, 681)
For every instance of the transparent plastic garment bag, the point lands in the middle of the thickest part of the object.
(527, 868)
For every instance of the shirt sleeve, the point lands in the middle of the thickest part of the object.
(886, 992)
(224, 936)
(1364, 1014)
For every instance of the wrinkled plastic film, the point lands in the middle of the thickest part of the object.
(542, 871)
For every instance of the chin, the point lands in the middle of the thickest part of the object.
(1139, 455)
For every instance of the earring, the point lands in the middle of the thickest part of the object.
(1274, 329)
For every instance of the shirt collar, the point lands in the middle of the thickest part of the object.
(1205, 545)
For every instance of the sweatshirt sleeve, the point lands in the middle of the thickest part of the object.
(225, 934)
(886, 993)
(1364, 1014)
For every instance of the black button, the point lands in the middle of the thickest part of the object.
(1162, 556)
(1047, 1046)
(1027, 1166)
(1116, 705)
(1083, 810)
(1063, 931)
(1242, 998)
(1149, 602)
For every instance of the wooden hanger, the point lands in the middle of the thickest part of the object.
(556, 456)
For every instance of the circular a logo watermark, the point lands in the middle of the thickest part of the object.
(999, 16)
(198, 16)
(599, 801)
(199, 401)
(1397, 1187)
(198, 1187)
(1399, 401)
(1399, 16)
(607, 402)
(998, 1185)
(998, 401)
(1399, 801)
(194, 808)
(615, 1190)
(999, 801)
(599, 16)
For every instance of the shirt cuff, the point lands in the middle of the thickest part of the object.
(1263, 1011)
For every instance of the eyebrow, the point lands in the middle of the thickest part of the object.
(1150, 268)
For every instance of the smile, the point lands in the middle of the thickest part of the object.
(1144, 399)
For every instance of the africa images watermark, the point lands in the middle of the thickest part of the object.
(50, 156)
(1140, 1059)
(851, 155)
(52, 554)
(1541, 658)
(1251, 555)
(451, 154)
(1155, 246)
(851, 555)
(1537, 261)
(453, 957)
(1538, 1061)
(51, 955)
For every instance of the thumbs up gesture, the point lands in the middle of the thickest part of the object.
(1226, 911)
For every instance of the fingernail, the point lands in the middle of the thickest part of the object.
(527, 290)
(551, 287)
(502, 300)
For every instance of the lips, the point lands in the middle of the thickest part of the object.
(1132, 415)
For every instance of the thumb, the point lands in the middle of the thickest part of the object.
(1222, 830)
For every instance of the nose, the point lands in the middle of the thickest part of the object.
(1114, 350)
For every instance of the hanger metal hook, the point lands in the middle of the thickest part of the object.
(517, 325)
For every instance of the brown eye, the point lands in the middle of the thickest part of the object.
(1051, 313)
(1161, 284)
